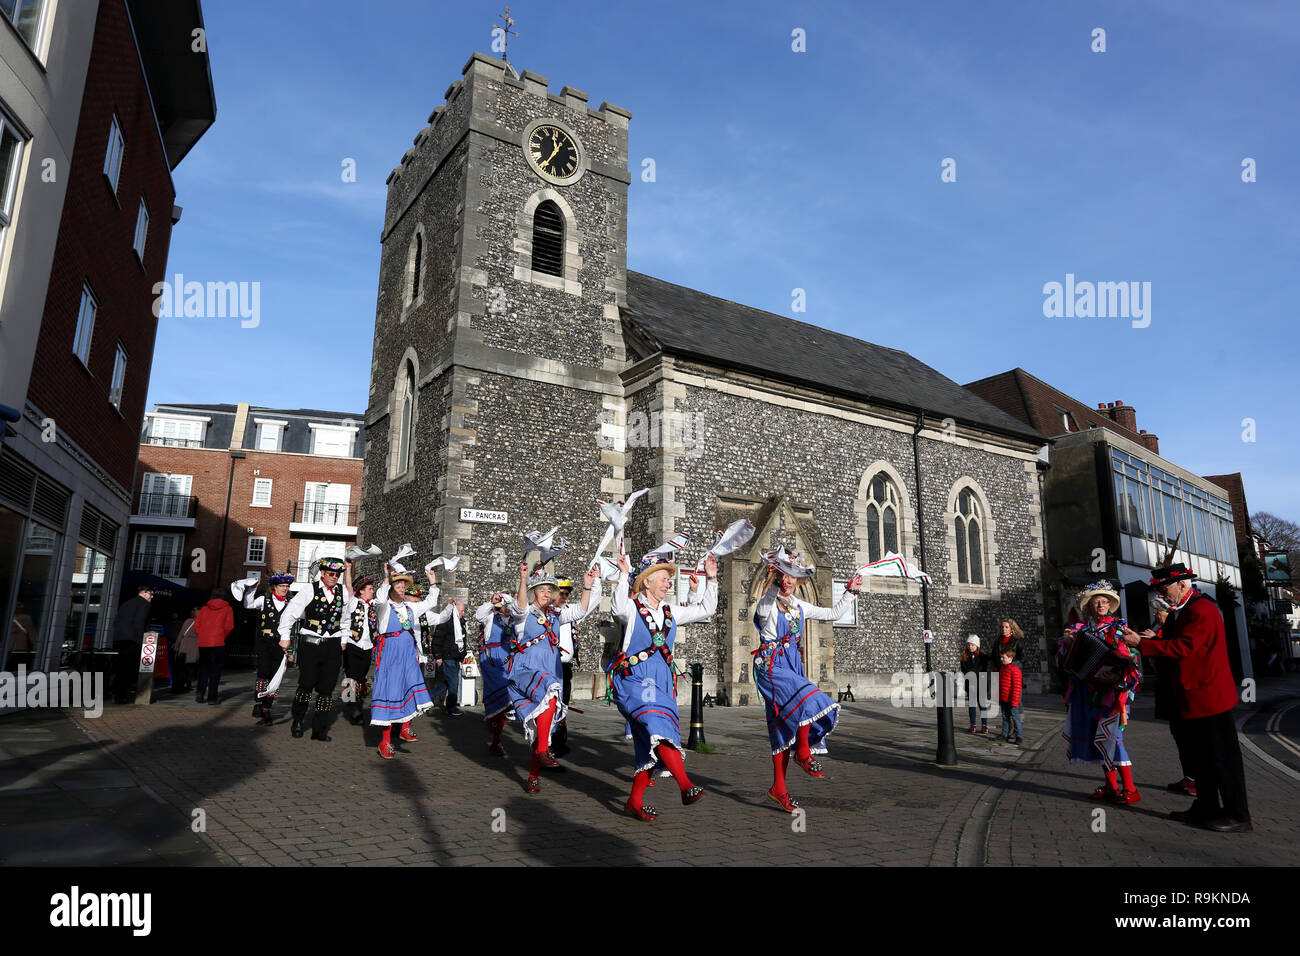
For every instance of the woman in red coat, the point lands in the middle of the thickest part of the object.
(214, 622)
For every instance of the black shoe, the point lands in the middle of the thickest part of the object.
(1228, 825)
(257, 711)
(1189, 816)
(200, 697)
(454, 711)
(320, 736)
(296, 728)
(267, 721)
(213, 701)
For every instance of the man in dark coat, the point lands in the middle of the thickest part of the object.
(128, 632)
(1206, 694)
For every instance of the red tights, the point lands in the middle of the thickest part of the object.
(802, 752)
(543, 742)
(495, 725)
(672, 760)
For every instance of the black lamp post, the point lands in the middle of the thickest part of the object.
(946, 747)
(225, 518)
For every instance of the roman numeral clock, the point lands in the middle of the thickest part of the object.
(554, 152)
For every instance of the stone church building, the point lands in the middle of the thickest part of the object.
(519, 367)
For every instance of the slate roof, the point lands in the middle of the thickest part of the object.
(693, 324)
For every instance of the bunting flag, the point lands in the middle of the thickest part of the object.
(893, 565)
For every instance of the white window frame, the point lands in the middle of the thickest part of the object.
(119, 377)
(317, 428)
(266, 427)
(86, 314)
(260, 484)
(162, 490)
(9, 177)
(141, 230)
(38, 35)
(248, 550)
(116, 151)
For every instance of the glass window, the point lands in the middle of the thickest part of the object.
(11, 157)
(36, 585)
(26, 16)
(141, 230)
(331, 441)
(85, 325)
(1121, 507)
(256, 552)
(268, 436)
(873, 533)
(262, 492)
(1173, 524)
(969, 538)
(119, 377)
(882, 517)
(113, 158)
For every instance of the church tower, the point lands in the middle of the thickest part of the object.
(497, 345)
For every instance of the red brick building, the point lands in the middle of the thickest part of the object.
(226, 490)
(145, 97)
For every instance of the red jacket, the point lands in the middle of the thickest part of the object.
(1194, 635)
(1010, 683)
(214, 622)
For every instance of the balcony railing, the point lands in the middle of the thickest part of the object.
(167, 506)
(336, 515)
(173, 442)
(164, 564)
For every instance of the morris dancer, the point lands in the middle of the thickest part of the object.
(1097, 713)
(358, 643)
(533, 669)
(798, 714)
(320, 654)
(641, 675)
(266, 645)
(399, 692)
(497, 618)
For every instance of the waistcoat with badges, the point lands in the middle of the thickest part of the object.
(323, 615)
(268, 626)
(362, 615)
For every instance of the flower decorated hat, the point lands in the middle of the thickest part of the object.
(1092, 590)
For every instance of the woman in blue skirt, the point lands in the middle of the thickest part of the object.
(497, 619)
(798, 714)
(399, 693)
(641, 675)
(534, 678)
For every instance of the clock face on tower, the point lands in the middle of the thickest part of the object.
(554, 153)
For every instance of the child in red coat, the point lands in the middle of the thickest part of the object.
(1010, 683)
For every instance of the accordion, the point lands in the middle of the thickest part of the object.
(1094, 661)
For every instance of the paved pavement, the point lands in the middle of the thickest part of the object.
(129, 783)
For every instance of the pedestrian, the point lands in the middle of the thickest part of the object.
(187, 655)
(1010, 683)
(399, 693)
(497, 619)
(975, 662)
(799, 715)
(536, 685)
(444, 660)
(268, 655)
(128, 632)
(1097, 708)
(320, 608)
(1166, 694)
(358, 643)
(1010, 637)
(214, 622)
(641, 678)
(1206, 695)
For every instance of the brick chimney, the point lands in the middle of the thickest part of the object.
(1151, 441)
(1124, 415)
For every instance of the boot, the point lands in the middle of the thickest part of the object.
(266, 711)
(299, 710)
(321, 719)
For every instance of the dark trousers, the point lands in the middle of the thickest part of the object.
(356, 663)
(184, 674)
(318, 670)
(210, 661)
(126, 674)
(1216, 767)
(1185, 759)
(268, 656)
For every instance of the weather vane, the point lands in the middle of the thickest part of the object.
(505, 34)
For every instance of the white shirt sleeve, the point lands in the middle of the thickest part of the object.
(484, 613)
(812, 612)
(574, 612)
(428, 604)
(765, 611)
(293, 611)
(620, 604)
(690, 613)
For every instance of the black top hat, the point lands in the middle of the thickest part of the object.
(1171, 573)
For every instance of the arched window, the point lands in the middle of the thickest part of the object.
(882, 517)
(969, 533)
(548, 239)
(403, 420)
(414, 267)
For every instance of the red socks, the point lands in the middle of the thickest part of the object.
(1112, 780)
(639, 783)
(544, 727)
(672, 761)
(779, 763)
(801, 748)
(386, 740)
(1126, 774)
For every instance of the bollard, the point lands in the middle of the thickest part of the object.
(697, 707)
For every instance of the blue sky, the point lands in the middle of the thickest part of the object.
(817, 170)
